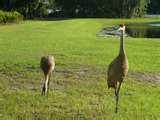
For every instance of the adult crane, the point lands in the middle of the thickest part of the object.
(118, 68)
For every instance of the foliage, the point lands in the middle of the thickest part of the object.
(29, 8)
(8, 17)
(141, 8)
(154, 7)
(78, 8)
(103, 8)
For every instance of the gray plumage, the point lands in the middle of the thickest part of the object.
(47, 65)
(118, 69)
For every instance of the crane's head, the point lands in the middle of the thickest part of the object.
(122, 28)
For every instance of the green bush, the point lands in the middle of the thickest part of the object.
(9, 17)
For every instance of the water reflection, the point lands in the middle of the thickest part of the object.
(143, 30)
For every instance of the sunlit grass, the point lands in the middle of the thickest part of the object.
(78, 87)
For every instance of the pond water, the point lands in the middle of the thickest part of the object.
(150, 30)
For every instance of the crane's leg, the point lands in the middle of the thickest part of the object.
(43, 89)
(49, 82)
(46, 83)
(45, 86)
(117, 96)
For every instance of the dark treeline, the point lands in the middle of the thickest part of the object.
(103, 8)
(154, 7)
(81, 8)
(29, 8)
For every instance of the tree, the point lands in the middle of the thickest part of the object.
(29, 8)
(79, 8)
(141, 8)
(103, 8)
(6, 4)
(154, 7)
(26, 7)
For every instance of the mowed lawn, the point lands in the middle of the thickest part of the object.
(78, 89)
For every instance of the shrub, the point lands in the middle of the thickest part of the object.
(10, 17)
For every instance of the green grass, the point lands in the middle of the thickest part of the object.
(78, 87)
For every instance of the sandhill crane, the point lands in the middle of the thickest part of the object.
(47, 65)
(118, 68)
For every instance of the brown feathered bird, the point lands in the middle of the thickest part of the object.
(47, 65)
(118, 68)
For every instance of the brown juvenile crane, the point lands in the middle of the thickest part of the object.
(47, 65)
(118, 68)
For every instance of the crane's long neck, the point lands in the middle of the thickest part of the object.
(122, 49)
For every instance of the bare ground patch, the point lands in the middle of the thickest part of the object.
(147, 77)
(61, 79)
(64, 77)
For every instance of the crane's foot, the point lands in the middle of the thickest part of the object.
(116, 110)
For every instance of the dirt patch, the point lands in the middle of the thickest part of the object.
(64, 77)
(148, 77)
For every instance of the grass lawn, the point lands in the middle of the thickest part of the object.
(78, 87)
